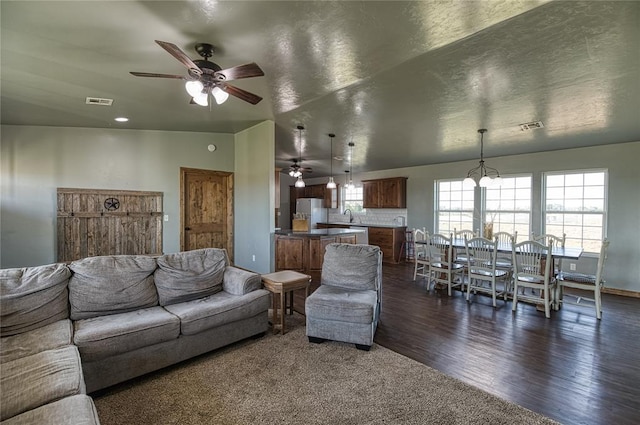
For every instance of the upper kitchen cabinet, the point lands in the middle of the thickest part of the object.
(319, 191)
(385, 193)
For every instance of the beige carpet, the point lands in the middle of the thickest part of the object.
(285, 380)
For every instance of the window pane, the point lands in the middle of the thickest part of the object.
(454, 207)
(570, 203)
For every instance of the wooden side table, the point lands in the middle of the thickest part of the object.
(284, 282)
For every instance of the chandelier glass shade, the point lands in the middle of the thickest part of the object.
(482, 175)
(331, 184)
(299, 182)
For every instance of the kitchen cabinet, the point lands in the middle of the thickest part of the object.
(385, 193)
(304, 251)
(319, 191)
(390, 241)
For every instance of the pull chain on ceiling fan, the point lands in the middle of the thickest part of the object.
(208, 78)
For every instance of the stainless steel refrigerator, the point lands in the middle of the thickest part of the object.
(313, 209)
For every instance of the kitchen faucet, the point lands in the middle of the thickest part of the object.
(350, 216)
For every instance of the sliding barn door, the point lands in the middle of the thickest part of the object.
(95, 222)
(206, 209)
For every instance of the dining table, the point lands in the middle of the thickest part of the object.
(556, 251)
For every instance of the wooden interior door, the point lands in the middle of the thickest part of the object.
(206, 210)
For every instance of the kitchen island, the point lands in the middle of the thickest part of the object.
(304, 251)
(389, 237)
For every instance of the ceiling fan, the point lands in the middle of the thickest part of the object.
(208, 78)
(296, 170)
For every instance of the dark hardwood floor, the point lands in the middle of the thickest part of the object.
(572, 367)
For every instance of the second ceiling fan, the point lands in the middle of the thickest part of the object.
(208, 78)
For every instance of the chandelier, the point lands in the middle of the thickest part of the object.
(483, 175)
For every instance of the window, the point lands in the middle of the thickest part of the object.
(575, 203)
(353, 199)
(509, 206)
(454, 206)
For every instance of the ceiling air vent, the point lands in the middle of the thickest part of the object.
(531, 125)
(99, 101)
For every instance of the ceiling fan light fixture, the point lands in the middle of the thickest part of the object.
(194, 88)
(299, 182)
(220, 95)
(201, 99)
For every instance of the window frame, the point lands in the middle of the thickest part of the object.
(437, 210)
(605, 207)
(486, 211)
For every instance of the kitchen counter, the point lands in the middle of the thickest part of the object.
(317, 233)
(389, 237)
(344, 223)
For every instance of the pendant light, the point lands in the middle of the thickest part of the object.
(486, 176)
(331, 184)
(299, 181)
(350, 185)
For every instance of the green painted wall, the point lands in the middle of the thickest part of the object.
(37, 160)
(254, 198)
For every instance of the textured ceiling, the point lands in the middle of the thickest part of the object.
(408, 82)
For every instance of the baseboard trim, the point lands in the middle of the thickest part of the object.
(621, 292)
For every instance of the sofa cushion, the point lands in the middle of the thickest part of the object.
(39, 379)
(350, 266)
(32, 297)
(189, 275)
(104, 336)
(335, 303)
(219, 309)
(111, 284)
(74, 410)
(55, 335)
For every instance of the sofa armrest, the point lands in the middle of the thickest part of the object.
(237, 281)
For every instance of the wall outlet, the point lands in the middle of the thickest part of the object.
(166, 217)
(572, 267)
(253, 258)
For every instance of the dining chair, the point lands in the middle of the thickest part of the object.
(556, 241)
(586, 282)
(504, 261)
(442, 268)
(481, 268)
(460, 255)
(532, 269)
(420, 253)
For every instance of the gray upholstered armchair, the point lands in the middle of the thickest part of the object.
(346, 306)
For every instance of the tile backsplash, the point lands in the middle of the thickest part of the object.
(380, 216)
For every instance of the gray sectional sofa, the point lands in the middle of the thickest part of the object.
(69, 330)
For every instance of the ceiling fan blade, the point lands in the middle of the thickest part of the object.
(241, 71)
(242, 94)
(179, 54)
(150, 74)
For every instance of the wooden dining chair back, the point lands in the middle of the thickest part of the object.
(459, 254)
(585, 282)
(420, 253)
(482, 273)
(532, 269)
(443, 270)
(556, 241)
